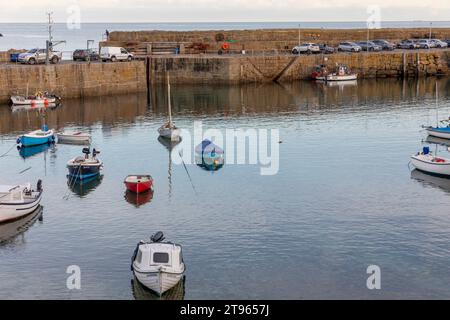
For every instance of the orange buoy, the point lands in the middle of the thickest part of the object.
(225, 46)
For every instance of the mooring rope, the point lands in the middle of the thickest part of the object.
(9, 150)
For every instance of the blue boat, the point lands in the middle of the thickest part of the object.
(38, 137)
(83, 168)
(209, 156)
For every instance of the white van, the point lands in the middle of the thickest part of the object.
(115, 54)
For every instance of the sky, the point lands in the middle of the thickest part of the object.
(223, 10)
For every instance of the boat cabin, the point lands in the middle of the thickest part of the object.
(150, 257)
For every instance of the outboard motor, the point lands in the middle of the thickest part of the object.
(95, 152)
(157, 237)
(87, 152)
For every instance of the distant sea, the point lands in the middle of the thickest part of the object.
(31, 35)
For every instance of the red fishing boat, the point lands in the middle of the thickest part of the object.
(139, 183)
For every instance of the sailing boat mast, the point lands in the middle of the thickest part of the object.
(437, 111)
(169, 102)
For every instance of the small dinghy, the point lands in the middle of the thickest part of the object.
(37, 137)
(77, 137)
(82, 168)
(37, 99)
(209, 156)
(19, 201)
(139, 183)
(426, 162)
(158, 265)
(440, 132)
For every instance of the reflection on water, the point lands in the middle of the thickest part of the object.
(138, 199)
(142, 293)
(428, 179)
(82, 188)
(343, 198)
(12, 233)
(26, 152)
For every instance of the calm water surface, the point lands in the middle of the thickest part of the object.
(342, 200)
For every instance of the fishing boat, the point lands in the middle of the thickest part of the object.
(38, 98)
(158, 265)
(19, 201)
(139, 183)
(37, 137)
(342, 74)
(82, 168)
(209, 156)
(425, 161)
(169, 130)
(76, 137)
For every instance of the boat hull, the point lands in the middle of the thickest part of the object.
(439, 132)
(158, 282)
(138, 187)
(348, 77)
(74, 139)
(436, 168)
(13, 211)
(83, 172)
(29, 141)
(170, 134)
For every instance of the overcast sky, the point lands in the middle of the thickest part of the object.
(221, 10)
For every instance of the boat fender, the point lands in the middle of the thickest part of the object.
(18, 140)
(39, 185)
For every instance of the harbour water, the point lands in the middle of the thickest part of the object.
(343, 199)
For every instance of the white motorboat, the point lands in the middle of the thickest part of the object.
(19, 201)
(158, 265)
(37, 99)
(77, 137)
(169, 130)
(425, 161)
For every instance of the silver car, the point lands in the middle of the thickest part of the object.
(425, 44)
(439, 43)
(349, 47)
(34, 56)
(306, 48)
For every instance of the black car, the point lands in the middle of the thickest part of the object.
(384, 44)
(324, 48)
(85, 55)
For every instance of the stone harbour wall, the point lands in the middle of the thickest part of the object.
(73, 80)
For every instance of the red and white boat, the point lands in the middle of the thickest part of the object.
(139, 183)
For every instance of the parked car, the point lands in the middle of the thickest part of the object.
(349, 46)
(37, 55)
(425, 44)
(115, 54)
(384, 44)
(324, 48)
(369, 46)
(408, 44)
(306, 48)
(439, 43)
(85, 55)
(447, 41)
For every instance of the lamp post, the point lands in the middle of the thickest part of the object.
(87, 49)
